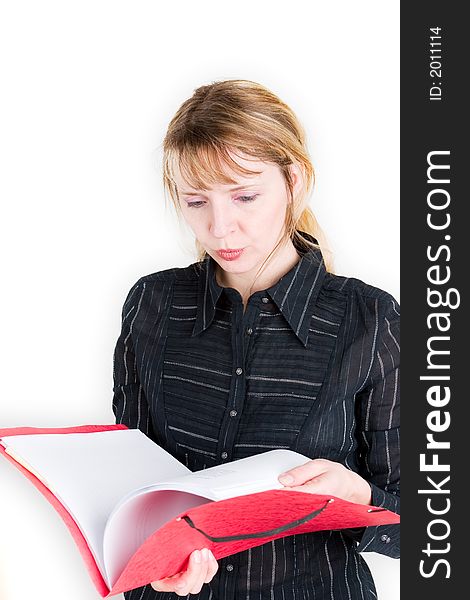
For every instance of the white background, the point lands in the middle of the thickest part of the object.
(88, 90)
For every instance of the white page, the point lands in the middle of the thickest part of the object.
(144, 511)
(91, 472)
(137, 519)
(248, 475)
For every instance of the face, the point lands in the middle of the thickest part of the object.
(247, 216)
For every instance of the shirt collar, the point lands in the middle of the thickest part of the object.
(294, 294)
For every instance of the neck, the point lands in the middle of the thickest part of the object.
(247, 283)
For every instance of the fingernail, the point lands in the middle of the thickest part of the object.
(205, 554)
(197, 556)
(286, 479)
(179, 586)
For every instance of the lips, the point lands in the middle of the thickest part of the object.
(230, 253)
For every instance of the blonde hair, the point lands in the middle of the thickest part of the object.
(244, 116)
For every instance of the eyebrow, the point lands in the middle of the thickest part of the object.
(232, 189)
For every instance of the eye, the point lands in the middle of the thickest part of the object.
(244, 200)
(195, 204)
(247, 198)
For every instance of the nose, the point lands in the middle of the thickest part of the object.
(222, 222)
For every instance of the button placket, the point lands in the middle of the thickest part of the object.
(237, 388)
(243, 326)
(250, 320)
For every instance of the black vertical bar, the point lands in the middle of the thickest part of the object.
(435, 259)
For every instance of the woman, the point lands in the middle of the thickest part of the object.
(258, 345)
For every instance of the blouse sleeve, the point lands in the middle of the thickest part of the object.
(130, 405)
(378, 406)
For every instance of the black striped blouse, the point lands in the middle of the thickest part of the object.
(311, 365)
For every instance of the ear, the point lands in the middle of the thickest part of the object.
(297, 177)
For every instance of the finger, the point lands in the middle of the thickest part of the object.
(196, 588)
(167, 584)
(192, 576)
(164, 585)
(305, 472)
(213, 567)
(324, 484)
(180, 580)
(311, 487)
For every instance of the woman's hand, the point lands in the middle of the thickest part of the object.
(321, 476)
(202, 568)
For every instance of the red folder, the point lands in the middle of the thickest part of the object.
(225, 526)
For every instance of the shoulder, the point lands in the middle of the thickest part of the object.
(371, 320)
(191, 272)
(158, 285)
(363, 296)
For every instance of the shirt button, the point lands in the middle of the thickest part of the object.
(249, 331)
(233, 413)
(265, 300)
(224, 455)
(386, 539)
(239, 371)
(229, 567)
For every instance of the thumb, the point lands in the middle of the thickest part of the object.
(302, 473)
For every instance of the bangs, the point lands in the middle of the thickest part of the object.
(207, 165)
